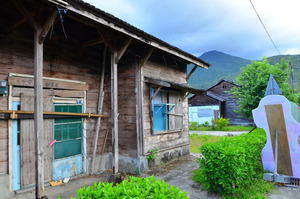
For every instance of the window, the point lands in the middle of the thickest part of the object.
(67, 132)
(166, 111)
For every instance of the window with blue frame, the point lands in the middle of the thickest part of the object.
(166, 111)
(68, 132)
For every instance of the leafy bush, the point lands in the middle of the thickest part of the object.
(152, 153)
(193, 125)
(134, 187)
(221, 123)
(232, 163)
(206, 124)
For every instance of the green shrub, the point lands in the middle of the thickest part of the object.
(193, 125)
(152, 153)
(205, 124)
(134, 187)
(232, 163)
(221, 123)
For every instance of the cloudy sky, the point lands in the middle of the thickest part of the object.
(230, 26)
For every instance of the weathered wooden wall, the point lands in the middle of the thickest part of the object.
(167, 140)
(16, 56)
(230, 104)
(127, 111)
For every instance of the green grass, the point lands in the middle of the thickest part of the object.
(196, 141)
(258, 189)
(227, 128)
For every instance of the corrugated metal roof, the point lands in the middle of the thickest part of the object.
(222, 80)
(215, 96)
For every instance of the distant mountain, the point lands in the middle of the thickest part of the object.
(225, 66)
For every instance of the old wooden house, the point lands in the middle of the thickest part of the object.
(217, 102)
(120, 92)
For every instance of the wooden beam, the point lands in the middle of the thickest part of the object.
(100, 106)
(154, 95)
(157, 82)
(147, 56)
(131, 32)
(106, 41)
(114, 112)
(23, 10)
(38, 115)
(47, 83)
(122, 50)
(92, 42)
(21, 21)
(47, 26)
(190, 74)
(16, 113)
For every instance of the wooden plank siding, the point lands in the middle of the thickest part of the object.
(17, 57)
(230, 105)
(167, 140)
(127, 111)
(27, 150)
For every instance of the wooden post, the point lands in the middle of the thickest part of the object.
(38, 114)
(140, 102)
(114, 111)
(100, 106)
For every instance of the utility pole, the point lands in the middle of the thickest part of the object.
(292, 77)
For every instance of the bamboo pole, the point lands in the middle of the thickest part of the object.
(100, 106)
(103, 148)
(14, 114)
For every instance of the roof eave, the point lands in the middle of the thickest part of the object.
(132, 32)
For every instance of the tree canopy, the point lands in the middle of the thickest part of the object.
(254, 79)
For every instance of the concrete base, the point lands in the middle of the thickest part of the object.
(170, 154)
(126, 164)
(105, 164)
(4, 187)
(132, 165)
(269, 177)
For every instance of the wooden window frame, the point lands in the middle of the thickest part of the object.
(169, 107)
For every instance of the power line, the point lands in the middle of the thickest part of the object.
(264, 27)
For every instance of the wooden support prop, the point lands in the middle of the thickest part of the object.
(100, 106)
(23, 10)
(92, 42)
(185, 96)
(252, 129)
(122, 50)
(114, 112)
(106, 41)
(103, 148)
(190, 74)
(147, 56)
(47, 26)
(21, 21)
(154, 95)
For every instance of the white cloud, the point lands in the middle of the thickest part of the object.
(230, 26)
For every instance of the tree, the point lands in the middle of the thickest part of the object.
(254, 79)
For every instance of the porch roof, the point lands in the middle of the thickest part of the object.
(99, 16)
(168, 84)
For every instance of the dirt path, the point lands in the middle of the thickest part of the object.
(178, 172)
